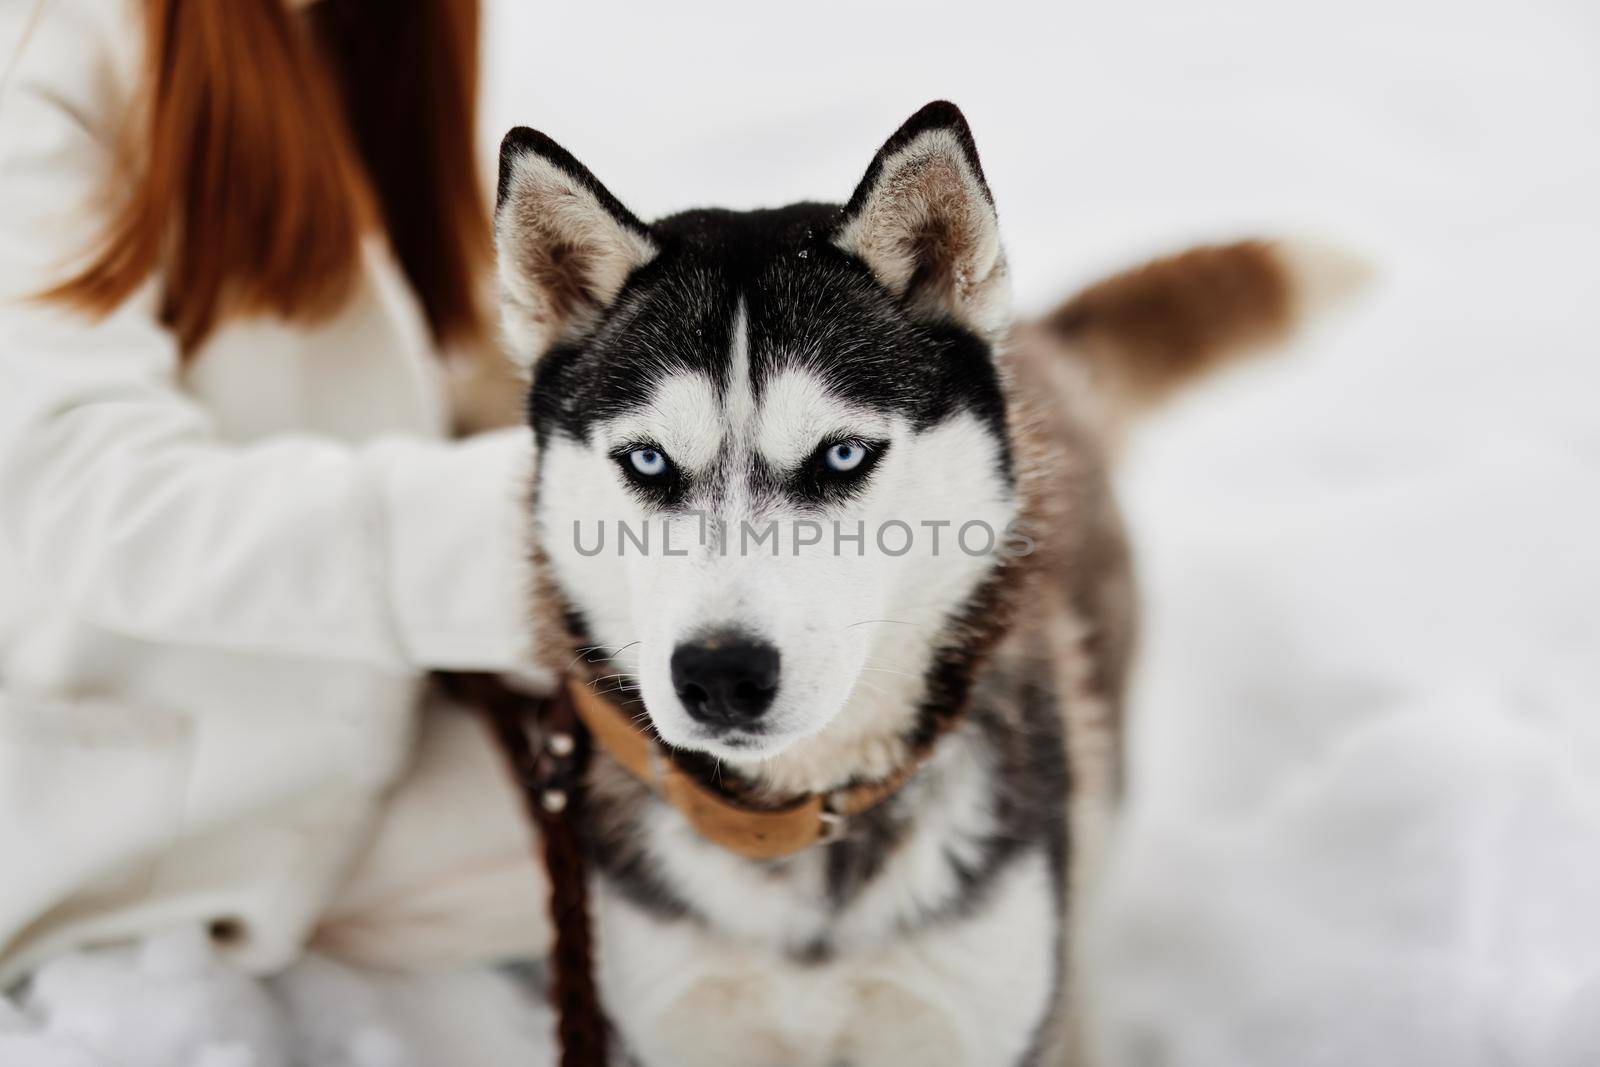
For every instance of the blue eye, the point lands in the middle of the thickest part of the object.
(648, 462)
(845, 456)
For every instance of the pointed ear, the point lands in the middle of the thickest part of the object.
(565, 245)
(922, 219)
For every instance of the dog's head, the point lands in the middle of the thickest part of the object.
(773, 461)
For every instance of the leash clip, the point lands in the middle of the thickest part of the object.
(833, 824)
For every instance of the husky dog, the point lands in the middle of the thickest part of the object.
(869, 538)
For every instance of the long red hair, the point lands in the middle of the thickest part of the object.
(268, 141)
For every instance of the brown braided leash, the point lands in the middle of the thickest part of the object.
(547, 748)
(547, 742)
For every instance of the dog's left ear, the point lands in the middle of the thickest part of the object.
(565, 245)
(923, 220)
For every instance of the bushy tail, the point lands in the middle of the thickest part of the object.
(1147, 332)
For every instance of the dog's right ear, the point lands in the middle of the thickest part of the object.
(565, 245)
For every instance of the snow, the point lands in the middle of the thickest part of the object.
(1364, 825)
(171, 1003)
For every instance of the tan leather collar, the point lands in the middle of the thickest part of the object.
(752, 832)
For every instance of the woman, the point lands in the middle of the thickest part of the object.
(242, 248)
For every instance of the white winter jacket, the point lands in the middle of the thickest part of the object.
(220, 581)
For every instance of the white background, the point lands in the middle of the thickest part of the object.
(1366, 817)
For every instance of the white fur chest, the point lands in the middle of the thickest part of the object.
(913, 968)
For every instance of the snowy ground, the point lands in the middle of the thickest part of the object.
(169, 1003)
(1365, 826)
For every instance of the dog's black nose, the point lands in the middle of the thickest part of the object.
(725, 678)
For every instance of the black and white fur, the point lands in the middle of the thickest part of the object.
(739, 346)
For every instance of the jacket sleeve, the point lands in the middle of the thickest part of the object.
(120, 499)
